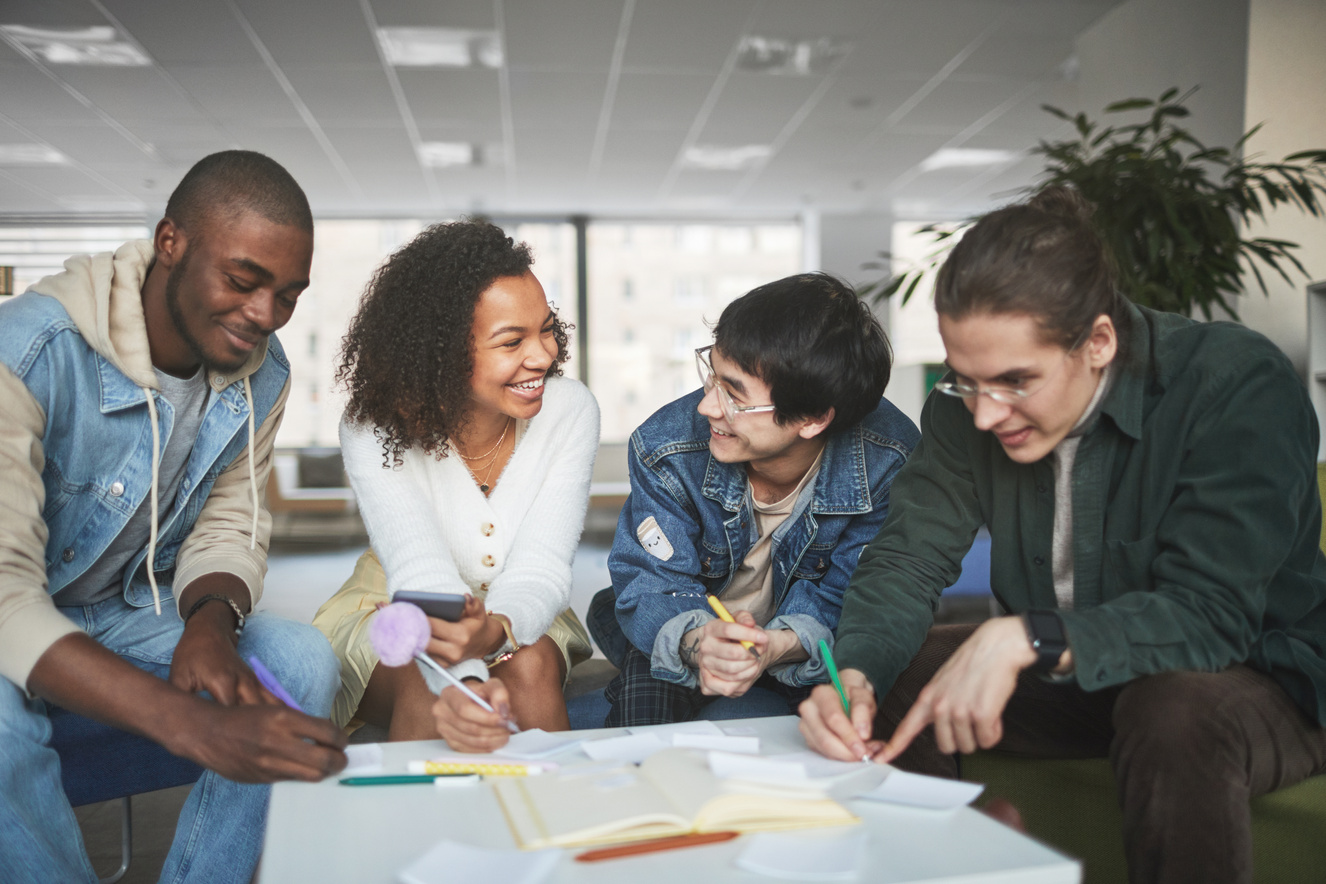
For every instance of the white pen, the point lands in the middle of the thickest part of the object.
(437, 667)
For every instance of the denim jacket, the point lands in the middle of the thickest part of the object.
(703, 509)
(76, 450)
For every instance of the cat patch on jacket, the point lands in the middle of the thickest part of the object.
(652, 539)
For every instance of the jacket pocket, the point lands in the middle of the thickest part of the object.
(1128, 566)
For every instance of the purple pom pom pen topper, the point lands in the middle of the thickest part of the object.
(399, 633)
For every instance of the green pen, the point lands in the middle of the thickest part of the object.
(837, 682)
(398, 779)
(833, 674)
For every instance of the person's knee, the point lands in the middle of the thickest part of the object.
(299, 656)
(538, 665)
(1165, 721)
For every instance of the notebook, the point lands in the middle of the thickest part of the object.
(672, 793)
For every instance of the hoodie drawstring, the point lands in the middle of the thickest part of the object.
(152, 531)
(156, 479)
(253, 477)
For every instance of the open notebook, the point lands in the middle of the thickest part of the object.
(672, 793)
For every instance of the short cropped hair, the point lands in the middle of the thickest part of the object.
(814, 342)
(226, 184)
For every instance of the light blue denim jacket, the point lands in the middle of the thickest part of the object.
(703, 508)
(96, 448)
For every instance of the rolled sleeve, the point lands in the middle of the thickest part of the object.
(665, 661)
(810, 632)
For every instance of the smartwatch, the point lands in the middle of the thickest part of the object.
(1045, 631)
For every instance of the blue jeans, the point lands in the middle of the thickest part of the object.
(220, 831)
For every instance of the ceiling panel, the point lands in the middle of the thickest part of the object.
(569, 35)
(207, 34)
(131, 93)
(754, 108)
(235, 92)
(636, 147)
(960, 103)
(823, 18)
(918, 39)
(466, 14)
(558, 100)
(28, 94)
(668, 36)
(545, 149)
(448, 96)
(345, 93)
(296, 34)
(50, 13)
(88, 143)
(659, 100)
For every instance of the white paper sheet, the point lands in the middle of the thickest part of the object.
(538, 743)
(917, 790)
(719, 743)
(827, 855)
(752, 768)
(633, 748)
(364, 758)
(449, 861)
(668, 731)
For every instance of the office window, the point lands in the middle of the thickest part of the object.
(683, 276)
(35, 252)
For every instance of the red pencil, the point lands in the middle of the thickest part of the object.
(637, 847)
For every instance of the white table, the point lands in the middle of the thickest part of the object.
(330, 833)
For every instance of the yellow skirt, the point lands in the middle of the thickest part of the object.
(345, 617)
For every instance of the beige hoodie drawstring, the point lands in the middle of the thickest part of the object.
(152, 531)
(253, 478)
(156, 456)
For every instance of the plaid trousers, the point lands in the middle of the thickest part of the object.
(637, 698)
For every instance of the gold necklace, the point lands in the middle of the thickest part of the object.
(500, 440)
(497, 455)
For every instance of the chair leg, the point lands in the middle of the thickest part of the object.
(126, 841)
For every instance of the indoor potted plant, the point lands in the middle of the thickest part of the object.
(1168, 206)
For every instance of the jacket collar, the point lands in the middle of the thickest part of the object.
(1125, 400)
(842, 486)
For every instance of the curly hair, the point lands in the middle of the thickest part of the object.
(408, 356)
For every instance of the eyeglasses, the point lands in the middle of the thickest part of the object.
(1002, 395)
(709, 380)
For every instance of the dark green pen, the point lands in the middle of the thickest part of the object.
(837, 682)
(397, 779)
(833, 674)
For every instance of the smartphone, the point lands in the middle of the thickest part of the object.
(442, 605)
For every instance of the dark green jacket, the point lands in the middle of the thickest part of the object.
(1196, 522)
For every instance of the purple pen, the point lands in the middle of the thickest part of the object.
(270, 683)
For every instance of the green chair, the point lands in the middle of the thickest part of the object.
(1072, 806)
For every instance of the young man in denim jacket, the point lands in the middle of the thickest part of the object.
(761, 490)
(140, 394)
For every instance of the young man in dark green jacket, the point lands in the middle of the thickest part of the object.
(1149, 483)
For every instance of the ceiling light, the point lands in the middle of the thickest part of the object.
(30, 155)
(440, 48)
(966, 157)
(725, 159)
(92, 46)
(800, 58)
(448, 154)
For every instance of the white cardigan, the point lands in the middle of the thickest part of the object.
(434, 530)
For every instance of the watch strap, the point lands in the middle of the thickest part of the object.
(1045, 633)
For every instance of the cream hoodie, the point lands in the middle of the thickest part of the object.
(103, 296)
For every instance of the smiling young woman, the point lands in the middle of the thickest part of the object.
(1149, 486)
(470, 457)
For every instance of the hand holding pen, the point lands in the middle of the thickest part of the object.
(838, 718)
(399, 634)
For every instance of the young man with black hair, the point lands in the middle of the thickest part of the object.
(140, 394)
(760, 489)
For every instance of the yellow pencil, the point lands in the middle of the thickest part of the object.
(727, 618)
